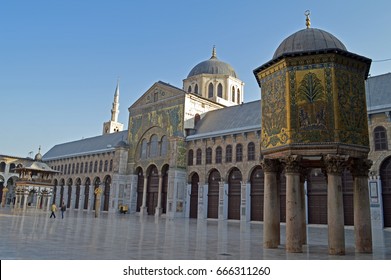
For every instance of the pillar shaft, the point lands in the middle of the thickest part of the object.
(143, 208)
(158, 210)
(271, 217)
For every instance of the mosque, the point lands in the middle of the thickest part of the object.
(301, 155)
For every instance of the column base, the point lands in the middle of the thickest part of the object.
(158, 211)
(143, 210)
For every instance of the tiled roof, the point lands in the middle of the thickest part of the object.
(234, 119)
(378, 91)
(97, 144)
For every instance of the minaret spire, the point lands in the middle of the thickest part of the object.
(307, 18)
(214, 52)
(115, 109)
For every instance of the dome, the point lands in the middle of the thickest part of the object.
(308, 40)
(38, 157)
(212, 66)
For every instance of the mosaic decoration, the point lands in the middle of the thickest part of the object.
(274, 123)
(353, 123)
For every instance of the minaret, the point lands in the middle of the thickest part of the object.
(113, 125)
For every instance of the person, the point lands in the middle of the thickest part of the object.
(54, 209)
(63, 208)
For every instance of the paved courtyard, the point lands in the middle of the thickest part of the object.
(31, 235)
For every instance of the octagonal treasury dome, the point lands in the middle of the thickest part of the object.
(308, 40)
(212, 66)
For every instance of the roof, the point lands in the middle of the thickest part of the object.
(308, 40)
(235, 119)
(97, 144)
(378, 91)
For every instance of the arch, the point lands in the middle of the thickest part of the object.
(195, 179)
(214, 179)
(380, 138)
(140, 188)
(210, 90)
(234, 193)
(196, 89)
(257, 194)
(106, 192)
(385, 176)
(87, 184)
(2, 166)
(220, 90)
(152, 189)
(199, 157)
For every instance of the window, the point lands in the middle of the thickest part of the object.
(100, 166)
(197, 118)
(164, 146)
(233, 94)
(199, 157)
(62, 168)
(96, 166)
(65, 169)
(239, 153)
(77, 168)
(219, 154)
(2, 167)
(228, 154)
(111, 165)
(153, 146)
(210, 90)
(189, 89)
(238, 96)
(220, 90)
(81, 167)
(12, 168)
(251, 151)
(380, 138)
(208, 155)
(86, 167)
(190, 158)
(91, 166)
(73, 168)
(106, 165)
(196, 89)
(155, 97)
(143, 151)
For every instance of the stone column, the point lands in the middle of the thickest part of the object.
(3, 199)
(271, 215)
(362, 213)
(303, 176)
(25, 194)
(335, 164)
(293, 205)
(158, 210)
(143, 208)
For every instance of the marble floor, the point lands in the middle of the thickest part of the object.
(31, 235)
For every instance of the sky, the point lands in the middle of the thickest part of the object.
(60, 60)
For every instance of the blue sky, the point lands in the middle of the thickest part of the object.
(60, 60)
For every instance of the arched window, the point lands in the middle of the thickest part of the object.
(96, 166)
(164, 146)
(197, 118)
(208, 155)
(86, 167)
(111, 165)
(65, 169)
(143, 151)
(62, 168)
(210, 90)
(251, 151)
(100, 166)
(153, 146)
(2, 166)
(199, 157)
(196, 89)
(106, 165)
(81, 167)
(238, 96)
(12, 167)
(219, 154)
(220, 90)
(91, 164)
(189, 89)
(190, 158)
(77, 167)
(233, 94)
(380, 138)
(239, 153)
(73, 168)
(228, 154)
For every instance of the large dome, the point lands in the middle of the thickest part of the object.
(212, 66)
(308, 40)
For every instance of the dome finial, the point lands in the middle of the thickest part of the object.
(214, 52)
(307, 19)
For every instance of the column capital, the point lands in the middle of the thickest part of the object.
(270, 165)
(360, 167)
(335, 164)
(292, 164)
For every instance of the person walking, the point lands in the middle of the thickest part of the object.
(63, 208)
(54, 209)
